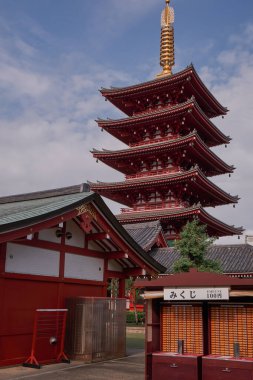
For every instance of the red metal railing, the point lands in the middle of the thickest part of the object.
(48, 337)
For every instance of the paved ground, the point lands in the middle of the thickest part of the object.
(128, 368)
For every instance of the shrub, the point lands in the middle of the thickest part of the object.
(130, 317)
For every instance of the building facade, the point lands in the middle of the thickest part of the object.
(56, 245)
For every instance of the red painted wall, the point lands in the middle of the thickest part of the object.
(19, 298)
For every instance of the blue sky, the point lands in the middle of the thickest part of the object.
(55, 55)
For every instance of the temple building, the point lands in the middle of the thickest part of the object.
(55, 245)
(168, 161)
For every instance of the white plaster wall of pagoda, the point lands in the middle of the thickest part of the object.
(78, 236)
(30, 260)
(114, 266)
(49, 235)
(94, 247)
(83, 267)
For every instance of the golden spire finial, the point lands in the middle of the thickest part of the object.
(167, 58)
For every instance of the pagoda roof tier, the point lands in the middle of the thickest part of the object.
(180, 216)
(196, 186)
(128, 130)
(192, 145)
(132, 99)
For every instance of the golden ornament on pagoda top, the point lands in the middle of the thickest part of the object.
(167, 58)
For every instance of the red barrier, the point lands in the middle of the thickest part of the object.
(48, 337)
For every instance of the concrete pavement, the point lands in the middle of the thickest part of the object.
(127, 368)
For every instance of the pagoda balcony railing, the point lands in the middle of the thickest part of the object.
(155, 107)
(168, 206)
(153, 173)
(155, 140)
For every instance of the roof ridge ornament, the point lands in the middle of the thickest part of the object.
(167, 56)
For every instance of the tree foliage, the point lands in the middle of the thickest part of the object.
(134, 294)
(192, 246)
(113, 287)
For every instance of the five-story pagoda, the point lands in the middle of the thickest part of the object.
(168, 161)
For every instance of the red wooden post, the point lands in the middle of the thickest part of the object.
(122, 288)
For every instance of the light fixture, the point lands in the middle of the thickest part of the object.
(68, 235)
(59, 233)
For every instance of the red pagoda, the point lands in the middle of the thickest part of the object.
(168, 161)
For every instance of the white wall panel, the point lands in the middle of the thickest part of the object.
(49, 235)
(30, 260)
(84, 267)
(78, 235)
(94, 247)
(114, 266)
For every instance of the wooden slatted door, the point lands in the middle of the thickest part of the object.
(182, 322)
(231, 325)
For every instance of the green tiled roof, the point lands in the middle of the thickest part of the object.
(25, 210)
(19, 210)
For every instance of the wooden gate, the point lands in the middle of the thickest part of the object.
(96, 328)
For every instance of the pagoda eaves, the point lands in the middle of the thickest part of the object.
(193, 185)
(192, 147)
(132, 129)
(186, 83)
(177, 218)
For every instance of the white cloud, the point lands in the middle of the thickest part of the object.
(48, 128)
(24, 47)
(232, 83)
(21, 82)
(45, 143)
(134, 7)
(114, 17)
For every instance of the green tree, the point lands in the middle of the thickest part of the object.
(192, 246)
(134, 294)
(113, 287)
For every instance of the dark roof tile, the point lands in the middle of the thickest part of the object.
(232, 258)
(84, 187)
(145, 234)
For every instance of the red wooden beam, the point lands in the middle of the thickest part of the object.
(24, 231)
(2, 257)
(61, 247)
(117, 255)
(50, 279)
(121, 243)
(115, 274)
(134, 272)
(98, 236)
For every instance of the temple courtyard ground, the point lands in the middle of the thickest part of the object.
(130, 367)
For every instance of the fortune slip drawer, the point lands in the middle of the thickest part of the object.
(226, 368)
(175, 367)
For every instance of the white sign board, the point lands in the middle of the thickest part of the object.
(196, 294)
